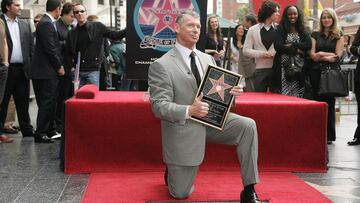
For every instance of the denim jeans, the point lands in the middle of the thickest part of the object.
(89, 77)
(3, 77)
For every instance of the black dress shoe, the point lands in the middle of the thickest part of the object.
(43, 139)
(355, 141)
(28, 134)
(165, 176)
(251, 198)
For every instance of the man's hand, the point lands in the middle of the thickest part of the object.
(199, 108)
(221, 53)
(61, 71)
(236, 90)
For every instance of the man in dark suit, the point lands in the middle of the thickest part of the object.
(45, 71)
(65, 88)
(355, 49)
(20, 42)
(173, 81)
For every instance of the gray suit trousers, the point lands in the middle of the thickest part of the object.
(238, 131)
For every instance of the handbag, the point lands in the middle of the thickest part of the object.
(333, 81)
(294, 67)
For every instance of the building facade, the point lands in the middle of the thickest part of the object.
(226, 8)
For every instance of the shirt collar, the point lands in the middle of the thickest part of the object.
(185, 52)
(263, 25)
(9, 19)
(51, 17)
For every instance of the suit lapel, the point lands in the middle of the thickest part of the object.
(22, 30)
(180, 63)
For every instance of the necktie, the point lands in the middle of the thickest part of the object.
(54, 23)
(194, 68)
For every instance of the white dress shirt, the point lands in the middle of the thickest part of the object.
(16, 54)
(267, 27)
(185, 53)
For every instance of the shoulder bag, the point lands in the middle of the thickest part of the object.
(333, 81)
(295, 66)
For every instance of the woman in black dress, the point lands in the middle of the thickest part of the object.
(327, 47)
(291, 40)
(214, 40)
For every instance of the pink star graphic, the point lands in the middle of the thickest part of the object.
(219, 86)
(166, 17)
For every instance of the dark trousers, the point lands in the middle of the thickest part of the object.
(46, 96)
(331, 133)
(315, 82)
(3, 78)
(65, 91)
(18, 86)
(262, 79)
(357, 94)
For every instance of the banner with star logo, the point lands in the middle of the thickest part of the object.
(216, 86)
(151, 34)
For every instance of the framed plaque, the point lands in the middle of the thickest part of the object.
(215, 86)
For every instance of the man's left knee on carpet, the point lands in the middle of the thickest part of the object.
(180, 193)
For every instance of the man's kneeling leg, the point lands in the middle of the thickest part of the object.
(181, 180)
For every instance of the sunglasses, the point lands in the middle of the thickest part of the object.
(81, 11)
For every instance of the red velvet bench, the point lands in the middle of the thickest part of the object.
(116, 131)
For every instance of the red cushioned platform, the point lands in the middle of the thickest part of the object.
(130, 187)
(117, 131)
(88, 91)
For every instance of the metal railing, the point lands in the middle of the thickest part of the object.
(348, 105)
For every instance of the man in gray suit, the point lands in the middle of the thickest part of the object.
(173, 86)
(21, 44)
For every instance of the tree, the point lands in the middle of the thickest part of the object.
(242, 11)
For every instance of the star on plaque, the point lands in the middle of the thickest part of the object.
(218, 86)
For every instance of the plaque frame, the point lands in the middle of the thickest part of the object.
(215, 86)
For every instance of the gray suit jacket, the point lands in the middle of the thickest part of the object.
(27, 43)
(172, 89)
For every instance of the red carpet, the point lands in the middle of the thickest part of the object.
(117, 131)
(209, 186)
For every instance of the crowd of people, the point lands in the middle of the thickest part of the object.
(263, 48)
(48, 57)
